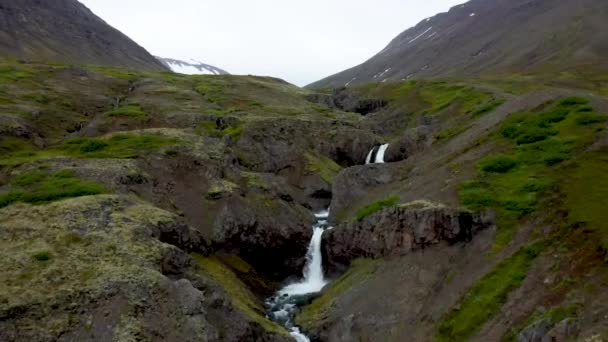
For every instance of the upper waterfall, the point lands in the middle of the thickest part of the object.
(376, 154)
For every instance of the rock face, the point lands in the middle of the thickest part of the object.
(545, 331)
(68, 32)
(356, 182)
(396, 231)
(487, 36)
(270, 235)
(103, 268)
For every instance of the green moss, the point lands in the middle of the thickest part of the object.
(248, 274)
(118, 146)
(255, 181)
(573, 101)
(486, 296)
(312, 315)
(242, 299)
(220, 188)
(498, 164)
(15, 72)
(35, 187)
(42, 256)
(517, 181)
(375, 207)
(213, 130)
(475, 195)
(325, 167)
(586, 189)
(488, 108)
(441, 95)
(132, 110)
(115, 72)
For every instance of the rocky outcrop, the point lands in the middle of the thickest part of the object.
(355, 183)
(545, 331)
(398, 230)
(104, 268)
(269, 234)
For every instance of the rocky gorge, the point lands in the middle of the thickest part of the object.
(137, 204)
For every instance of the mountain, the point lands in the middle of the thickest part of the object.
(66, 31)
(193, 67)
(489, 37)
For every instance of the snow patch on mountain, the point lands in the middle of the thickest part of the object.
(191, 67)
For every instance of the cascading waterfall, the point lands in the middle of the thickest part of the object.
(379, 154)
(283, 305)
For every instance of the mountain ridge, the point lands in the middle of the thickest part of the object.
(66, 31)
(490, 37)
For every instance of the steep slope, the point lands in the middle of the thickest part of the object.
(491, 36)
(68, 32)
(193, 67)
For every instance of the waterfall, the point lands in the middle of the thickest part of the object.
(369, 156)
(283, 305)
(378, 158)
(380, 154)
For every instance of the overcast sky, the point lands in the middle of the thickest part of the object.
(299, 41)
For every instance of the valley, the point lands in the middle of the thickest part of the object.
(464, 203)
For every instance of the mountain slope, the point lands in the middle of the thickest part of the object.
(66, 31)
(193, 67)
(490, 36)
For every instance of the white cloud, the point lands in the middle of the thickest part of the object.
(300, 41)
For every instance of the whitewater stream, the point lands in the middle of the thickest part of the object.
(285, 302)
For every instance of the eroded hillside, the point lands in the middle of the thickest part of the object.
(153, 206)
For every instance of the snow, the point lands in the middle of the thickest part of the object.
(432, 35)
(420, 35)
(189, 69)
(472, 15)
(349, 82)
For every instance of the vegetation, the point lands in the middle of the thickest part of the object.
(241, 296)
(375, 207)
(535, 146)
(313, 314)
(553, 316)
(488, 294)
(117, 146)
(325, 167)
(37, 187)
(132, 110)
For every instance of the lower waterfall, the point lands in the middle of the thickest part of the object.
(283, 305)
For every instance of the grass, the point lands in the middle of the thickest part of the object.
(375, 207)
(586, 189)
(441, 95)
(242, 299)
(118, 146)
(325, 167)
(534, 146)
(42, 256)
(486, 296)
(313, 314)
(37, 187)
(498, 164)
(132, 110)
(213, 130)
(488, 108)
